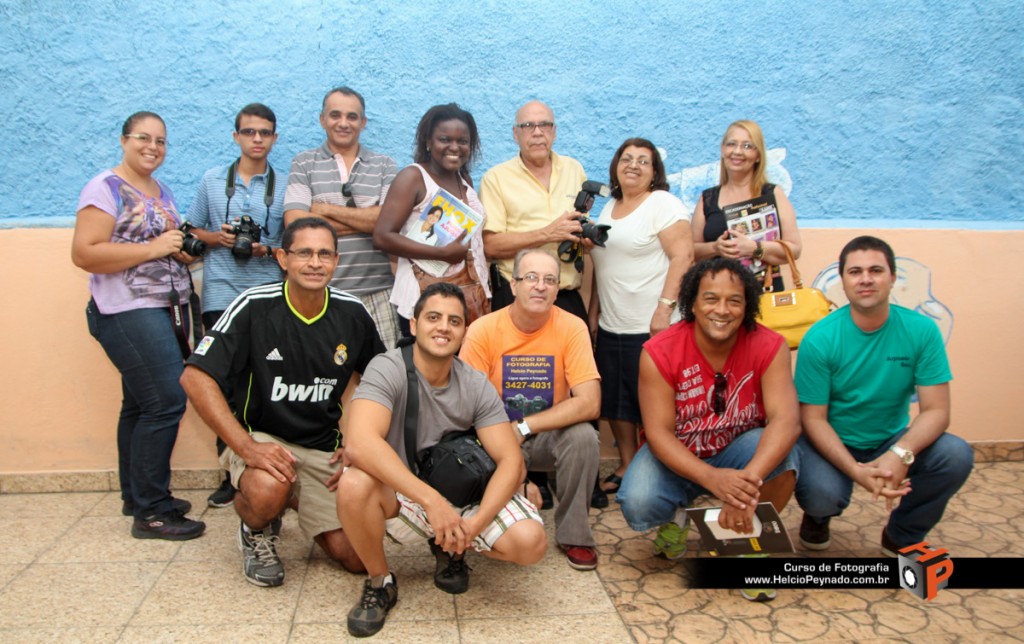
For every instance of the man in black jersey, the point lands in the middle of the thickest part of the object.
(293, 353)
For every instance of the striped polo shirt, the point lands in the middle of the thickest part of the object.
(314, 176)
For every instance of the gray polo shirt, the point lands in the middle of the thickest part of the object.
(314, 176)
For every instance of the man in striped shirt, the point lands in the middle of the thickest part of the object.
(344, 183)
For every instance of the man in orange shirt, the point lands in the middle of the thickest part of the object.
(540, 360)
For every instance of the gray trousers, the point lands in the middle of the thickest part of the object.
(573, 454)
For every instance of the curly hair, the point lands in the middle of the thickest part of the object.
(690, 289)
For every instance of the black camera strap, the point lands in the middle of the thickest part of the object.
(268, 192)
(178, 316)
(412, 408)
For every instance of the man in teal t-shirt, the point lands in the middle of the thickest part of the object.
(855, 374)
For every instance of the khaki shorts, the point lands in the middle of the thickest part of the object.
(411, 525)
(317, 510)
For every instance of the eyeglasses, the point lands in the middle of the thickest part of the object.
(529, 126)
(718, 394)
(251, 132)
(147, 139)
(643, 162)
(746, 146)
(533, 278)
(306, 254)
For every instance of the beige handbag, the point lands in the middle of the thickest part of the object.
(792, 312)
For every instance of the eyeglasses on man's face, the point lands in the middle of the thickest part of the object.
(306, 254)
(533, 278)
(250, 132)
(529, 126)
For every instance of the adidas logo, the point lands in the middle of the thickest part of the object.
(274, 355)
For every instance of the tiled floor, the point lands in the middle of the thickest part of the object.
(69, 571)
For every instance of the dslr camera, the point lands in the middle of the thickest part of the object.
(572, 251)
(191, 245)
(247, 232)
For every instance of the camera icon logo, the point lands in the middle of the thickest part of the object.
(924, 570)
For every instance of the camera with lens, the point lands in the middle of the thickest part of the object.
(572, 251)
(191, 245)
(247, 232)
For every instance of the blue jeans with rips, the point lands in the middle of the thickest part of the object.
(936, 475)
(142, 345)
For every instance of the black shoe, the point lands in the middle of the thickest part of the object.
(367, 617)
(179, 505)
(451, 574)
(889, 547)
(172, 527)
(223, 496)
(598, 499)
(814, 534)
(546, 500)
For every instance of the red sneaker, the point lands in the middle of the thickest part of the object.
(581, 557)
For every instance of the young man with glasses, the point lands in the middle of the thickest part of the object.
(246, 187)
(719, 412)
(293, 353)
(857, 371)
(540, 360)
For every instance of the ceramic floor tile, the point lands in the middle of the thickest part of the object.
(394, 631)
(211, 592)
(63, 504)
(593, 629)
(220, 541)
(214, 633)
(48, 635)
(105, 539)
(26, 539)
(9, 572)
(76, 594)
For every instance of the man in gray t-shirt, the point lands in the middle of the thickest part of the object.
(379, 493)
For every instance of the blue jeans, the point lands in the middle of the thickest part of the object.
(143, 347)
(936, 475)
(650, 492)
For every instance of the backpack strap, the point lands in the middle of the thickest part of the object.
(412, 408)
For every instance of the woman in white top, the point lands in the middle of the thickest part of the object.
(637, 276)
(447, 143)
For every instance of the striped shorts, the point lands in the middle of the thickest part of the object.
(411, 525)
(384, 316)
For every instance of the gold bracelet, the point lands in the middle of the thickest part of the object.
(667, 302)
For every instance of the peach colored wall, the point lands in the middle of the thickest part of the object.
(60, 395)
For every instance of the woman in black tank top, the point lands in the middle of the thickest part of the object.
(742, 178)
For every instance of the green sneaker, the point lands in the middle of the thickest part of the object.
(671, 541)
(756, 594)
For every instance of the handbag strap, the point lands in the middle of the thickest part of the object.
(797, 282)
(412, 408)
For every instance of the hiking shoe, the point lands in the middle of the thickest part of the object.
(367, 616)
(173, 526)
(758, 594)
(581, 557)
(452, 572)
(889, 547)
(179, 505)
(814, 534)
(260, 563)
(671, 540)
(598, 498)
(223, 496)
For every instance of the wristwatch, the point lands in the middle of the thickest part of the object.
(906, 456)
(524, 429)
(758, 251)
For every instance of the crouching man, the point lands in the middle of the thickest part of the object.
(379, 493)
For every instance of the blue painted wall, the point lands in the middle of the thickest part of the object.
(884, 110)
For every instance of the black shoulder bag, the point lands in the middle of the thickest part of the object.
(458, 466)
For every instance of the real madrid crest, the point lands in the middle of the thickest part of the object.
(340, 354)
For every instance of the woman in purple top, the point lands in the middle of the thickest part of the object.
(127, 236)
